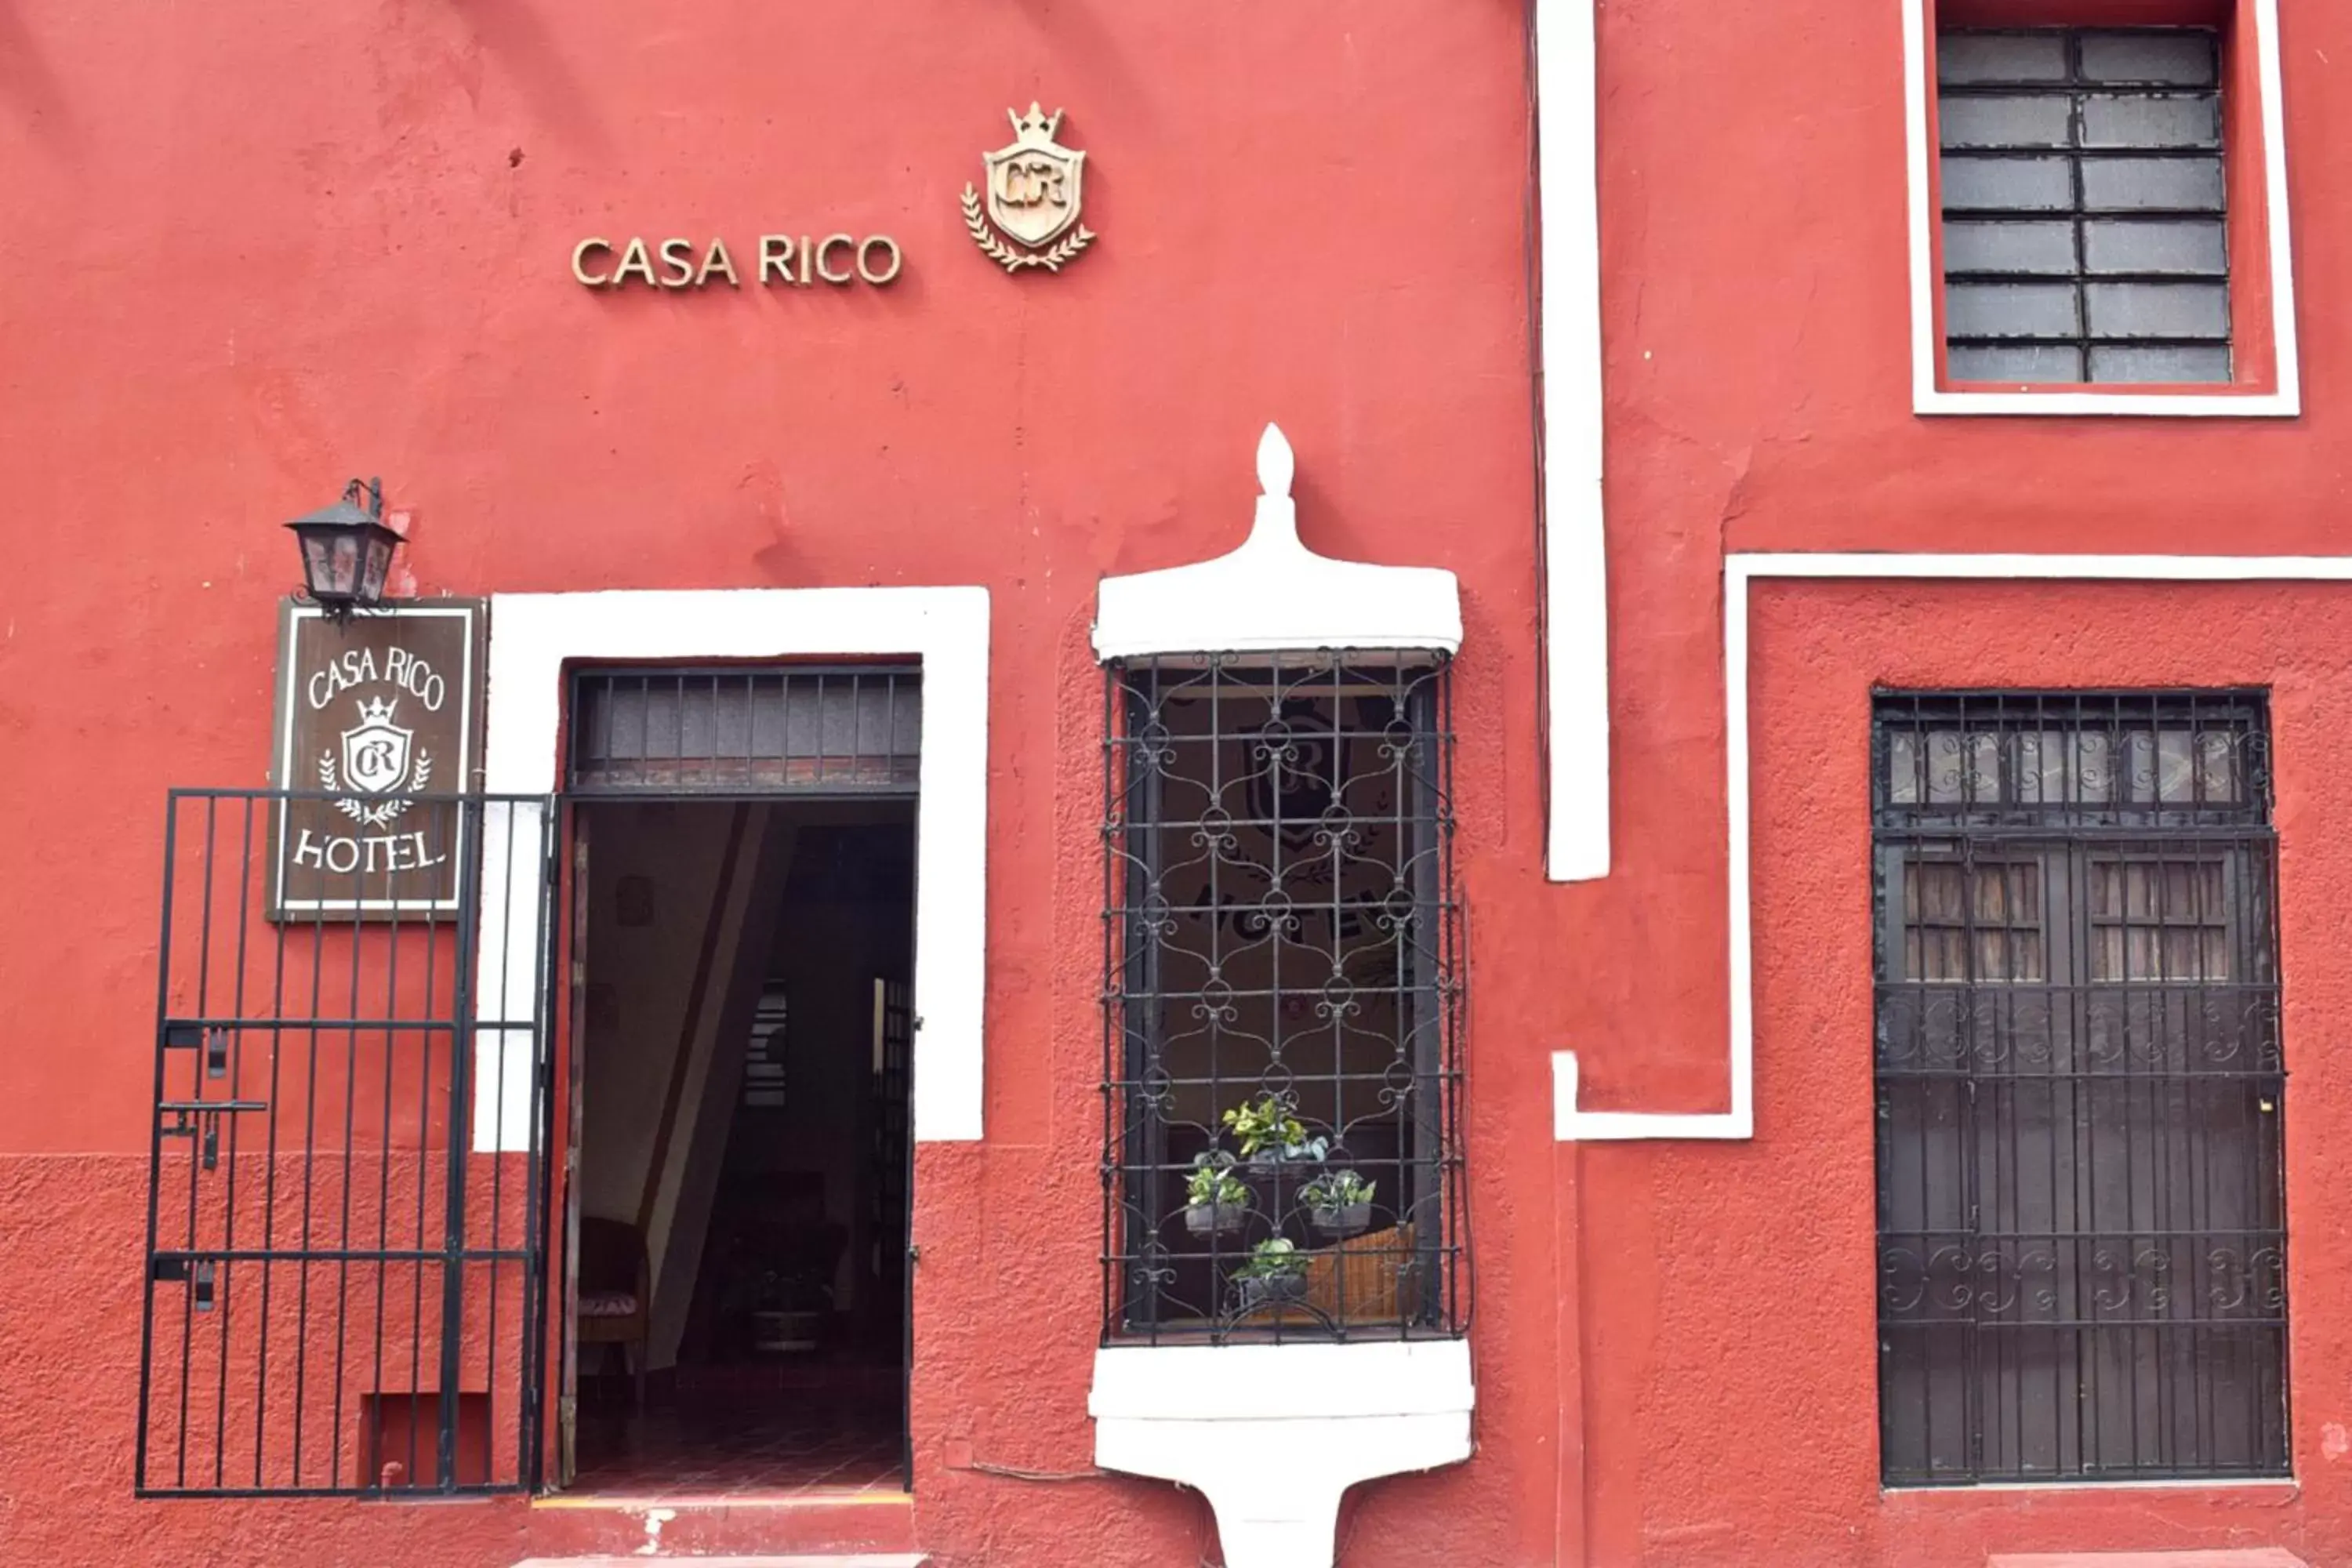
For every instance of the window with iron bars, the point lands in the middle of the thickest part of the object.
(2079, 1082)
(2084, 236)
(1282, 983)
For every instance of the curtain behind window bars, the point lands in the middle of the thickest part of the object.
(1282, 984)
(2081, 1251)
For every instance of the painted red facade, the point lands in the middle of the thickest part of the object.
(248, 250)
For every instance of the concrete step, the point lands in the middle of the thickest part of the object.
(2229, 1557)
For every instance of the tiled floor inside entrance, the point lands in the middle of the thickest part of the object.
(734, 1442)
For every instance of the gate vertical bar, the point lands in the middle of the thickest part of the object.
(461, 1066)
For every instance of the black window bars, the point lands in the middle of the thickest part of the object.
(2079, 1084)
(2085, 235)
(1283, 980)
(844, 729)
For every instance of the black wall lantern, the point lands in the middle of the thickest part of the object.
(346, 551)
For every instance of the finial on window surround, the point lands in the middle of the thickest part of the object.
(1275, 465)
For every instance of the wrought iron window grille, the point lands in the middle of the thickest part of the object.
(2079, 1085)
(2084, 215)
(1283, 982)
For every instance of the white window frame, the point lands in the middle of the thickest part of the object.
(2285, 402)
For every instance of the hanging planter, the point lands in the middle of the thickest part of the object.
(1274, 1273)
(1215, 1199)
(1338, 1203)
(1270, 1132)
(1215, 1219)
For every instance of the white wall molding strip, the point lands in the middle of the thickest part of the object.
(1571, 1122)
(533, 636)
(1575, 584)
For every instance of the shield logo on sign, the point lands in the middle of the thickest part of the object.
(1034, 185)
(375, 750)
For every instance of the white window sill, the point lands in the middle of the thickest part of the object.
(2116, 404)
(2275, 1485)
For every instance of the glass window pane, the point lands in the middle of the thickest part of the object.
(2028, 364)
(2000, 56)
(2021, 184)
(2009, 247)
(2147, 119)
(2191, 247)
(2191, 184)
(2009, 310)
(2160, 310)
(2183, 57)
(2045, 121)
(2154, 366)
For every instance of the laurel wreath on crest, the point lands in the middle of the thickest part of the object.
(382, 814)
(1014, 261)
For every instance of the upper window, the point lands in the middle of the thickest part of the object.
(2098, 232)
(2083, 237)
(1282, 983)
(2082, 1264)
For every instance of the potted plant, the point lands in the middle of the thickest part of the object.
(1339, 1203)
(1269, 1130)
(1274, 1272)
(1214, 1198)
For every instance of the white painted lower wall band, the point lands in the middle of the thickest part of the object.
(1571, 1122)
(1274, 1435)
(532, 636)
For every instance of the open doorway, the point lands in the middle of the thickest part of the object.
(741, 1183)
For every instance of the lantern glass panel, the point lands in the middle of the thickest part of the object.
(315, 563)
(379, 566)
(343, 567)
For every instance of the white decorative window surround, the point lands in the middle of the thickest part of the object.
(1273, 1435)
(2252, 23)
(1571, 1122)
(1274, 595)
(1575, 562)
(532, 636)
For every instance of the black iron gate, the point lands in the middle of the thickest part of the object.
(345, 1285)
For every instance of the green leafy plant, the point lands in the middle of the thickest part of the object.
(1269, 1125)
(1212, 1182)
(1271, 1260)
(1335, 1190)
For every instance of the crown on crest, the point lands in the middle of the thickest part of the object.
(378, 711)
(1036, 128)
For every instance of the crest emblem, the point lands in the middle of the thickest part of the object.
(1035, 186)
(378, 757)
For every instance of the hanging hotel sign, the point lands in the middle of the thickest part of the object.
(1034, 187)
(377, 729)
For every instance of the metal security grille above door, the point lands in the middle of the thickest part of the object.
(342, 1297)
(836, 729)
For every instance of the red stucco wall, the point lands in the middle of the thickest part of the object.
(246, 251)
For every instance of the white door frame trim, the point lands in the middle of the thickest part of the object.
(1573, 1124)
(532, 636)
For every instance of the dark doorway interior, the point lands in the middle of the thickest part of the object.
(743, 1173)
